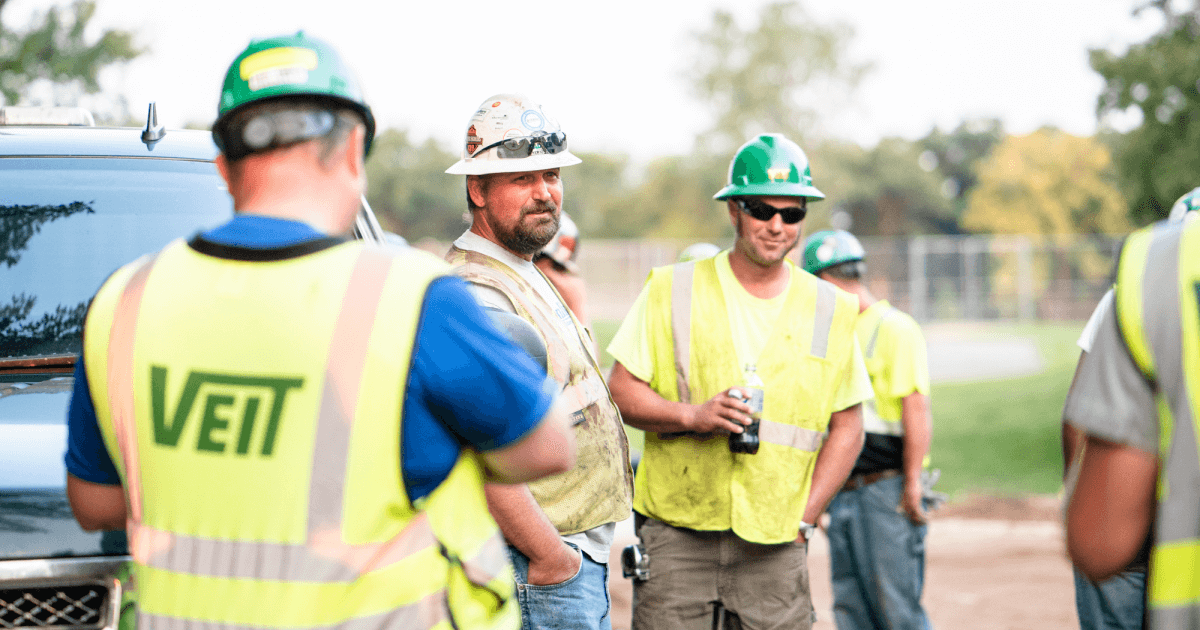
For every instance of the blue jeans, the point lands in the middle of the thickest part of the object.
(580, 603)
(1114, 604)
(878, 560)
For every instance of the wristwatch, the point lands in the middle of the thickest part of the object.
(807, 529)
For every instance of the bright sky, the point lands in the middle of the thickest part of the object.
(612, 72)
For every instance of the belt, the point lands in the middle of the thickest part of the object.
(865, 479)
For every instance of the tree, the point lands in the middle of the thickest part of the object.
(1056, 185)
(769, 78)
(954, 156)
(884, 189)
(1159, 159)
(1050, 183)
(53, 49)
(409, 190)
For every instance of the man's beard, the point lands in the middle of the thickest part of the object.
(529, 240)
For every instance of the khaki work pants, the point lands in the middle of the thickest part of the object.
(765, 585)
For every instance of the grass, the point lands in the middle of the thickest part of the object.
(994, 437)
(1004, 436)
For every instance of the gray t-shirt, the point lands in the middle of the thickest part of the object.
(1112, 399)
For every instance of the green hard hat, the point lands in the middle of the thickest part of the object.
(827, 248)
(290, 65)
(1189, 202)
(770, 165)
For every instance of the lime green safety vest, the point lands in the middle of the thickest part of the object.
(599, 488)
(254, 413)
(696, 482)
(883, 414)
(1157, 296)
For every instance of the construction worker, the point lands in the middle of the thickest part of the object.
(877, 523)
(728, 493)
(1133, 398)
(1117, 603)
(557, 262)
(301, 424)
(559, 529)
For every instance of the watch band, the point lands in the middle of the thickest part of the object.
(807, 529)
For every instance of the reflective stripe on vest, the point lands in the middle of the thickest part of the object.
(324, 559)
(1158, 290)
(681, 327)
(872, 421)
(599, 488)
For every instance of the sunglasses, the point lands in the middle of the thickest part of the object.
(763, 211)
(523, 147)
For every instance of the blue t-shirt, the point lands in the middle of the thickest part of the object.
(468, 386)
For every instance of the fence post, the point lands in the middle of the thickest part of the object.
(916, 277)
(1026, 310)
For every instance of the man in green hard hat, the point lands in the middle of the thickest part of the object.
(295, 427)
(745, 373)
(877, 521)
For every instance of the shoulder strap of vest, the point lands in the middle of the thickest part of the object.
(869, 351)
(1146, 263)
(681, 325)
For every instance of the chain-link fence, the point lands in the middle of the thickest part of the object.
(932, 277)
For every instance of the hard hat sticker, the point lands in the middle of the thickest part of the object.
(780, 174)
(473, 140)
(532, 120)
(277, 58)
(278, 76)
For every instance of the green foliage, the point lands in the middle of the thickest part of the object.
(1005, 435)
(53, 48)
(884, 189)
(1159, 160)
(409, 190)
(760, 79)
(1050, 183)
(955, 156)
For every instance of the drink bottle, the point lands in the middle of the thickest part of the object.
(751, 393)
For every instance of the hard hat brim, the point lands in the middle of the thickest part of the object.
(488, 165)
(773, 189)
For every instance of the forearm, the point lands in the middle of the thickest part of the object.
(918, 432)
(835, 460)
(644, 408)
(522, 521)
(1111, 508)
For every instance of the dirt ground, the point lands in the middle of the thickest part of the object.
(991, 564)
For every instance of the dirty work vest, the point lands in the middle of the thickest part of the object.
(253, 410)
(599, 488)
(1158, 288)
(696, 482)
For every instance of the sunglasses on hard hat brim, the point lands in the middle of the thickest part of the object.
(516, 148)
(763, 211)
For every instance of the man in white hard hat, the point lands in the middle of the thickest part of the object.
(560, 529)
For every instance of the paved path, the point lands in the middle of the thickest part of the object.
(962, 352)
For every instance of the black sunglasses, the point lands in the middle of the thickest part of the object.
(764, 211)
(523, 147)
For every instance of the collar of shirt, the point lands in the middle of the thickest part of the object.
(471, 241)
(260, 232)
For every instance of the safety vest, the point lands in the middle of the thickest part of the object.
(1157, 294)
(696, 482)
(599, 488)
(876, 327)
(253, 409)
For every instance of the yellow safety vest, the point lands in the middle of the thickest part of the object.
(696, 482)
(883, 414)
(1157, 294)
(599, 488)
(253, 410)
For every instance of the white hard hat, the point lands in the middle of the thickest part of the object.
(562, 248)
(511, 134)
